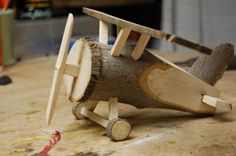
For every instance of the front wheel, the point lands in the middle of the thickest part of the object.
(118, 129)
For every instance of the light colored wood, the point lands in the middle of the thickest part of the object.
(72, 70)
(103, 32)
(212, 101)
(94, 117)
(166, 61)
(79, 55)
(118, 129)
(149, 31)
(73, 58)
(181, 82)
(102, 109)
(140, 46)
(219, 104)
(113, 108)
(59, 69)
(176, 57)
(174, 87)
(120, 42)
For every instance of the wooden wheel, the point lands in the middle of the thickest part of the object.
(77, 109)
(118, 129)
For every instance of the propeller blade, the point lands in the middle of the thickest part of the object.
(59, 68)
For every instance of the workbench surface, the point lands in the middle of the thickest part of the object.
(23, 129)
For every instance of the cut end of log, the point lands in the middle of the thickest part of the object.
(85, 54)
(79, 56)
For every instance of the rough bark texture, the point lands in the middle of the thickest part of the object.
(96, 67)
(118, 77)
(211, 68)
(150, 82)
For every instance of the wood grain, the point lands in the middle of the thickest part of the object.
(140, 46)
(149, 31)
(120, 42)
(212, 67)
(103, 32)
(59, 69)
(113, 108)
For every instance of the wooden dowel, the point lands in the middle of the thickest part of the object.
(120, 42)
(139, 48)
(71, 70)
(94, 117)
(103, 32)
(113, 108)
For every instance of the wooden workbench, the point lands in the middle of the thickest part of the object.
(23, 129)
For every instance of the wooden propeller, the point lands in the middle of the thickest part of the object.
(59, 68)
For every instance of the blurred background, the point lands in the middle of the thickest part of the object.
(38, 25)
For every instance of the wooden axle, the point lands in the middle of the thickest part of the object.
(117, 129)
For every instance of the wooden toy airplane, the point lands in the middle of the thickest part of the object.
(93, 74)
